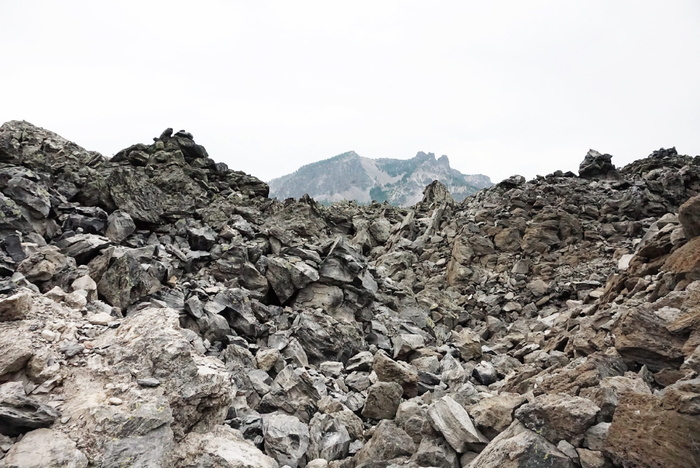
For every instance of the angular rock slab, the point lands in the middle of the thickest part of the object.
(493, 415)
(42, 448)
(519, 447)
(388, 442)
(20, 413)
(402, 373)
(15, 349)
(125, 282)
(453, 421)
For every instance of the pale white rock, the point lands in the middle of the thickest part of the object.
(317, 463)
(48, 335)
(624, 262)
(222, 447)
(101, 318)
(16, 306)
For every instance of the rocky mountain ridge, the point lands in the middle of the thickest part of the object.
(157, 309)
(352, 177)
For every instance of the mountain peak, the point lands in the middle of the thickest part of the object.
(421, 156)
(350, 176)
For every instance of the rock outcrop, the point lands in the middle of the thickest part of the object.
(157, 309)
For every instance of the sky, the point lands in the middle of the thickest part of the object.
(501, 87)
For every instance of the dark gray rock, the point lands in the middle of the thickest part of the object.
(82, 247)
(120, 226)
(23, 186)
(325, 338)
(689, 216)
(286, 438)
(383, 400)
(597, 166)
(485, 373)
(435, 451)
(389, 442)
(295, 392)
(90, 220)
(329, 437)
(126, 281)
(20, 413)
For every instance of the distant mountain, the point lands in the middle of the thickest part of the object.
(350, 176)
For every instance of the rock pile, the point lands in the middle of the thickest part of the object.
(157, 309)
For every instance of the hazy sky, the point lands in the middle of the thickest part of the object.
(501, 87)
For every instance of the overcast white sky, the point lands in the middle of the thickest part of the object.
(501, 87)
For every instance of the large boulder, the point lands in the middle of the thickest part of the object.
(223, 447)
(383, 400)
(597, 166)
(645, 433)
(388, 443)
(453, 422)
(126, 281)
(519, 447)
(330, 438)
(286, 438)
(558, 416)
(689, 216)
(43, 448)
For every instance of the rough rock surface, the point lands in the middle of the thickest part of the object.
(157, 309)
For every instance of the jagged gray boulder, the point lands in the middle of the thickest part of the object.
(597, 165)
(286, 438)
(120, 226)
(20, 413)
(329, 437)
(519, 447)
(388, 443)
(126, 281)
